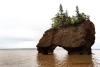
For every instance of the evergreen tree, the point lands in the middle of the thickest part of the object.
(77, 11)
(61, 14)
(62, 19)
(61, 9)
(66, 13)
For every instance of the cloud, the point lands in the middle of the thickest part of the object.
(14, 37)
(24, 21)
(24, 44)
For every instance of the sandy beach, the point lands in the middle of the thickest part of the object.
(60, 58)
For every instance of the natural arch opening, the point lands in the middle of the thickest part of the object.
(60, 50)
(56, 49)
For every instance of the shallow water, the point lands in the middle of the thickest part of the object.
(60, 58)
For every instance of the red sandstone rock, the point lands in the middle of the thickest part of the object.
(76, 39)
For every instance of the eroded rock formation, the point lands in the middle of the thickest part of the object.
(76, 39)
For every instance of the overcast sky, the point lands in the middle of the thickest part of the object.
(23, 22)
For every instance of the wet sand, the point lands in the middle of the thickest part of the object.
(60, 58)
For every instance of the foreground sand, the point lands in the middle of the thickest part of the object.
(30, 58)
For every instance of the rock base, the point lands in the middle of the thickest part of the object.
(76, 39)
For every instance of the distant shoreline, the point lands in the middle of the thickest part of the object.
(19, 49)
(30, 49)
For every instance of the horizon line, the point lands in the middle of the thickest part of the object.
(29, 48)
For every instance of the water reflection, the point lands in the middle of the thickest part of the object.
(62, 59)
(96, 60)
(45, 60)
(79, 61)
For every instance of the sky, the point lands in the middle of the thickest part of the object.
(23, 22)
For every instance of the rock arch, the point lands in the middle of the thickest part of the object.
(75, 40)
(48, 50)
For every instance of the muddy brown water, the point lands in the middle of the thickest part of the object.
(60, 58)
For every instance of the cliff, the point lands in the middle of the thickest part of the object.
(76, 39)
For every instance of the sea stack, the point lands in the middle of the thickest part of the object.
(74, 34)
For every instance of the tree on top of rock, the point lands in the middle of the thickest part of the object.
(80, 16)
(62, 19)
(66, 13)
(58, 19)
(61, 9)
(77, 11)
